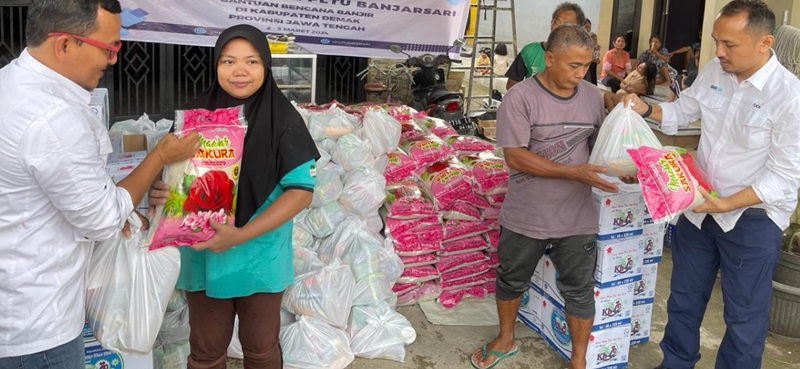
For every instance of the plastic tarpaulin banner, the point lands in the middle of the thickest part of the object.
(335, 27)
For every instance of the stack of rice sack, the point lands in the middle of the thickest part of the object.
(341, 303)
(443, 197)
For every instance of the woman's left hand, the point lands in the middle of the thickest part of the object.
(226, 236)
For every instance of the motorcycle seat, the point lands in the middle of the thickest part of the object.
(374, 87)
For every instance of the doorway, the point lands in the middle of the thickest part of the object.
(625, 22)
(679, 22)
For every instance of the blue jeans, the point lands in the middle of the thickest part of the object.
(746, 257)
(67, 356)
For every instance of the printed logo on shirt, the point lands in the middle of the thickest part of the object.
(534, 70)
(716, 88)
(313, 171)
(758, 104)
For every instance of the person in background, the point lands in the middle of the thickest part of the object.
(591, 74)
(749, 105)
(546, 126)
(56, 197)
(616, 64)
(530, 59)
(641, 81)
(658, 55)
(246, 266)
(500, 59)
(692, 58)
(484, 63)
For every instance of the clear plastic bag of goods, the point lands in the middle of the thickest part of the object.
(372, 289)
(324, 157)
(381, 131)
(322, 221)
(352, 152)
(355, 246)
(305, 260)
(622, 129)
(310, 343)
(329, 185)
(171, 349)
(364, 192)
(128, 289)
(332, 124)
(325, 294)
(301, 237)
(379, 332)
(390, 262)
(203, 187)
(670, 180)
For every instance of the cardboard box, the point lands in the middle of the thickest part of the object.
(613, 306)
(653, 247)
(126, 157)
(536, 279)
(120, 165)
(530, 308)
(645, 289)
(607, 348)
(621, 214)
(618, 261)
(99, 358)
(549, 278)
(98, 103)
(640, 323)
(137, 142)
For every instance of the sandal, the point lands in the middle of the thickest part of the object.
(500, 356)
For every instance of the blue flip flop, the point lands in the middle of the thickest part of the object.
(500, 356)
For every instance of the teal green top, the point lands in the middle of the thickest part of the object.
(263, 264)
(533, 55)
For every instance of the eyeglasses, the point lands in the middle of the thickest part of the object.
(112, 49)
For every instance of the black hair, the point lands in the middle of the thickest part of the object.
(567, 35)
(614, 40)
(77, 17)
(501, 49)
(690, 77)
(760, 19)
(569, 6)
(661, 40)
(650, 73)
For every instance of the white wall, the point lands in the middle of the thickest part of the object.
(533, 19)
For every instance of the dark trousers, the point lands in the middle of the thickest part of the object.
(612, 83)
(211, 322)
(746, 257)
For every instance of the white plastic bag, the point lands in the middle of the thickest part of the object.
(352, 152)
(322, 221)
(326, 294)
(128, 290)
(332, 123)
(305, 260)
(364, 192)
(622, 129)
(301, 237)
(235, 347)
(372, 289)
(328, 187)
(171, 349)
(355, 246)
(381, 131)
(309, 343)
(378, 332)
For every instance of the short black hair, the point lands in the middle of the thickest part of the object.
(760, 19)
(661, 40)
(567, 35)
(569, 6)
(501, 49)
(78, 17)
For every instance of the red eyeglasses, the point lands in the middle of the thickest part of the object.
(112, 49)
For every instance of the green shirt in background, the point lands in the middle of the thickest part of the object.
(263, 264)
(529, 61)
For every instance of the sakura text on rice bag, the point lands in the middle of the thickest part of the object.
(618, 262)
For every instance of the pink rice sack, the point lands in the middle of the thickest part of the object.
(463, 246)
(205, 186)
(458, 229)
(426, 150)
(447, 181)
(489, 172)
(436, 126)
(461, 210)
(668, 187)
(419, 260)
(469, 144)
(450, 298)
(407, 200)
(400, 166)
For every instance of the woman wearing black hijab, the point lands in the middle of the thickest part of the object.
(246, 267)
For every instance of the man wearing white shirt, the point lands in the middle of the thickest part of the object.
(55, 195)
(749, 106)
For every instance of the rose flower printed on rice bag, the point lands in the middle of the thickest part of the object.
(204, 187)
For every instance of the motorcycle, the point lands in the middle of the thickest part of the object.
(428, 91)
